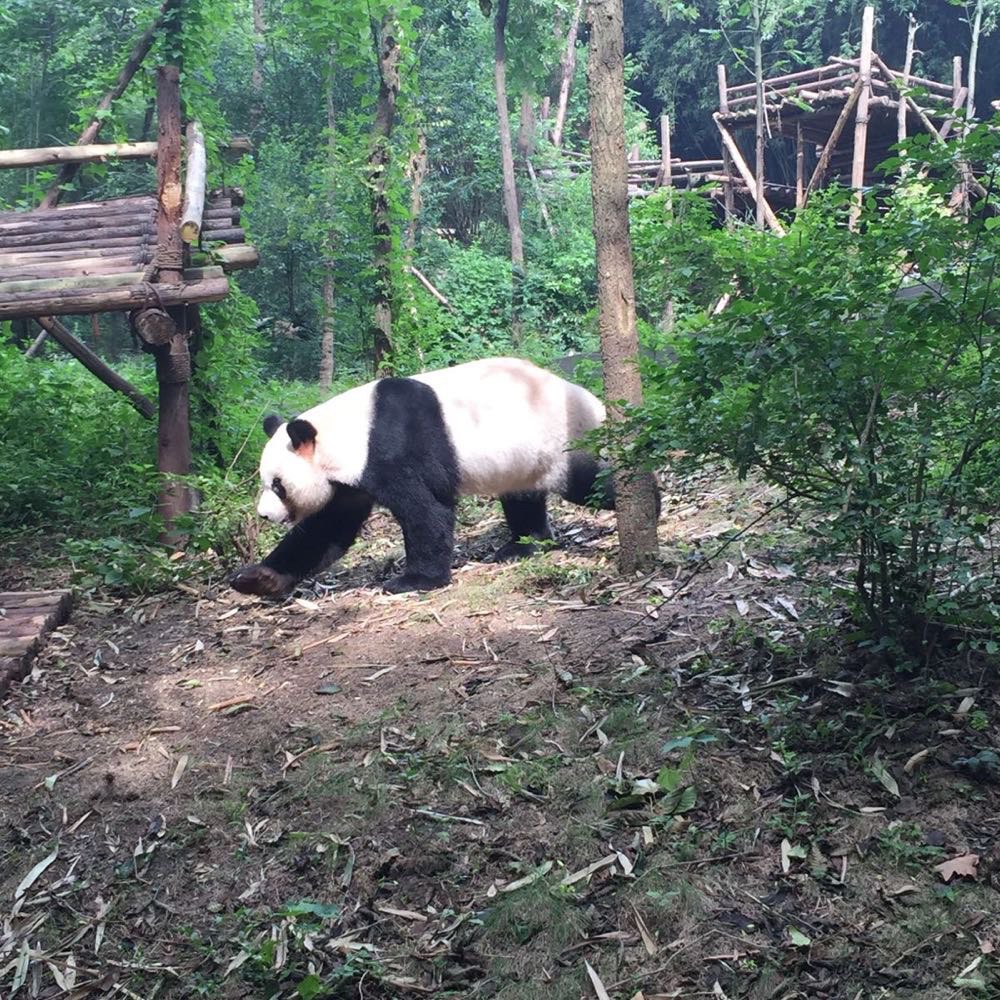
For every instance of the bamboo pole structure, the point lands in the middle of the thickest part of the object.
(800, 167)
(910, 103)
(758, 196)
(429, 285)
(831, 143)
(727, 166)
(665, 174)
(93, 153)
(861, 120)
(541, 198)
(194, 186)
(802, 74)
(96, 366)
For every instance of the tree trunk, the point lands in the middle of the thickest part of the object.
(173, 361)
(636, 501)
(388, 54)
(758, 71)
(326, 351)
(977, 27)
(257, 73)
(526, 133)
(566, 81)
(507, 159)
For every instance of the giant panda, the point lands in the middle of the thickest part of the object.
(500, 427)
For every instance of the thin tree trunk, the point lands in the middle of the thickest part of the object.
(758, 72)
(257, 73)
(417, 172)
(977, 27)
(326, 351)
(615, 287)
(526, 133)
(507, 159)
(566, 81)
(911, 37)
(378, 169)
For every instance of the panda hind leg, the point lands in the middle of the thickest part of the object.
(527, 517)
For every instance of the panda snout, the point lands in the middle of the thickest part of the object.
(270, 507)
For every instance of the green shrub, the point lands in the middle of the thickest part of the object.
(880, 415)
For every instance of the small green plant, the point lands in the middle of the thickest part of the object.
(904, 847)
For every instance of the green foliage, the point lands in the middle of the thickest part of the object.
(881, 415)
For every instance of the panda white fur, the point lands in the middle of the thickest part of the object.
(501, 427)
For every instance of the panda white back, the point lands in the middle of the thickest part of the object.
(511, 422)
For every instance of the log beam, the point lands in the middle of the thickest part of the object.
(95, 365)
(831, 143)
(861, 120)
(45, 156)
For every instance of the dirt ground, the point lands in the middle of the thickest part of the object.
(541, 781)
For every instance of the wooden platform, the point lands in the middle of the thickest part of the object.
(26, 617)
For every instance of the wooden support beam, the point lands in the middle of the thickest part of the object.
(194, 187)
(831, 143)
(802, 74)
(541, 198)
(861, 119)
(428, 284)
(96, 366)
(734, 151)
(949, 123)
(234, 257)
(92, 153)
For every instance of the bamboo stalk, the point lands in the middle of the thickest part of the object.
(194, 184)
(96, 366)
(79, 302)
(93, 153)
(665, 174)
(800, 167)
(748, 178)
(861, 119)
(911, 36)
(943, 88)
(828, 83)
(727, 166)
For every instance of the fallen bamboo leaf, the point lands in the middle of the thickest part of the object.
(379, 673)
(648, 941)
(445, 818)
(964, 866)
(179, 770)
(583, 873)
(32, 877)
(882, 773)
(919, 757)
(599, 988)
(520, 883)
(405, 914)
(232, 703)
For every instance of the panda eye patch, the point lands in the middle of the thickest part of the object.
(278, 488)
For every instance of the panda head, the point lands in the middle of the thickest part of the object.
(294, 484)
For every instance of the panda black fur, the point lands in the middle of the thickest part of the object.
(500, 427)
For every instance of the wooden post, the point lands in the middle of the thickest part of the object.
(90, 153)
(665, 176)
(194, 184)
(911, 35)
(956, 81)
(861, 121)
(727, 166)
(173, 360)
(741, 164)
(800, 167)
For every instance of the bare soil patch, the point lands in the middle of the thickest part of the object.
(541, 781)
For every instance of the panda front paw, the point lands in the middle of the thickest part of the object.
(262, 581)
(415, 581)
(513, 550)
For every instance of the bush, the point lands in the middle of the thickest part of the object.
(879, 414)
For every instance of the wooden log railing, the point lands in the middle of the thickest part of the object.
(45, 156)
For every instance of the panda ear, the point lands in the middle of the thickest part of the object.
(271, 424)
(303, 437)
